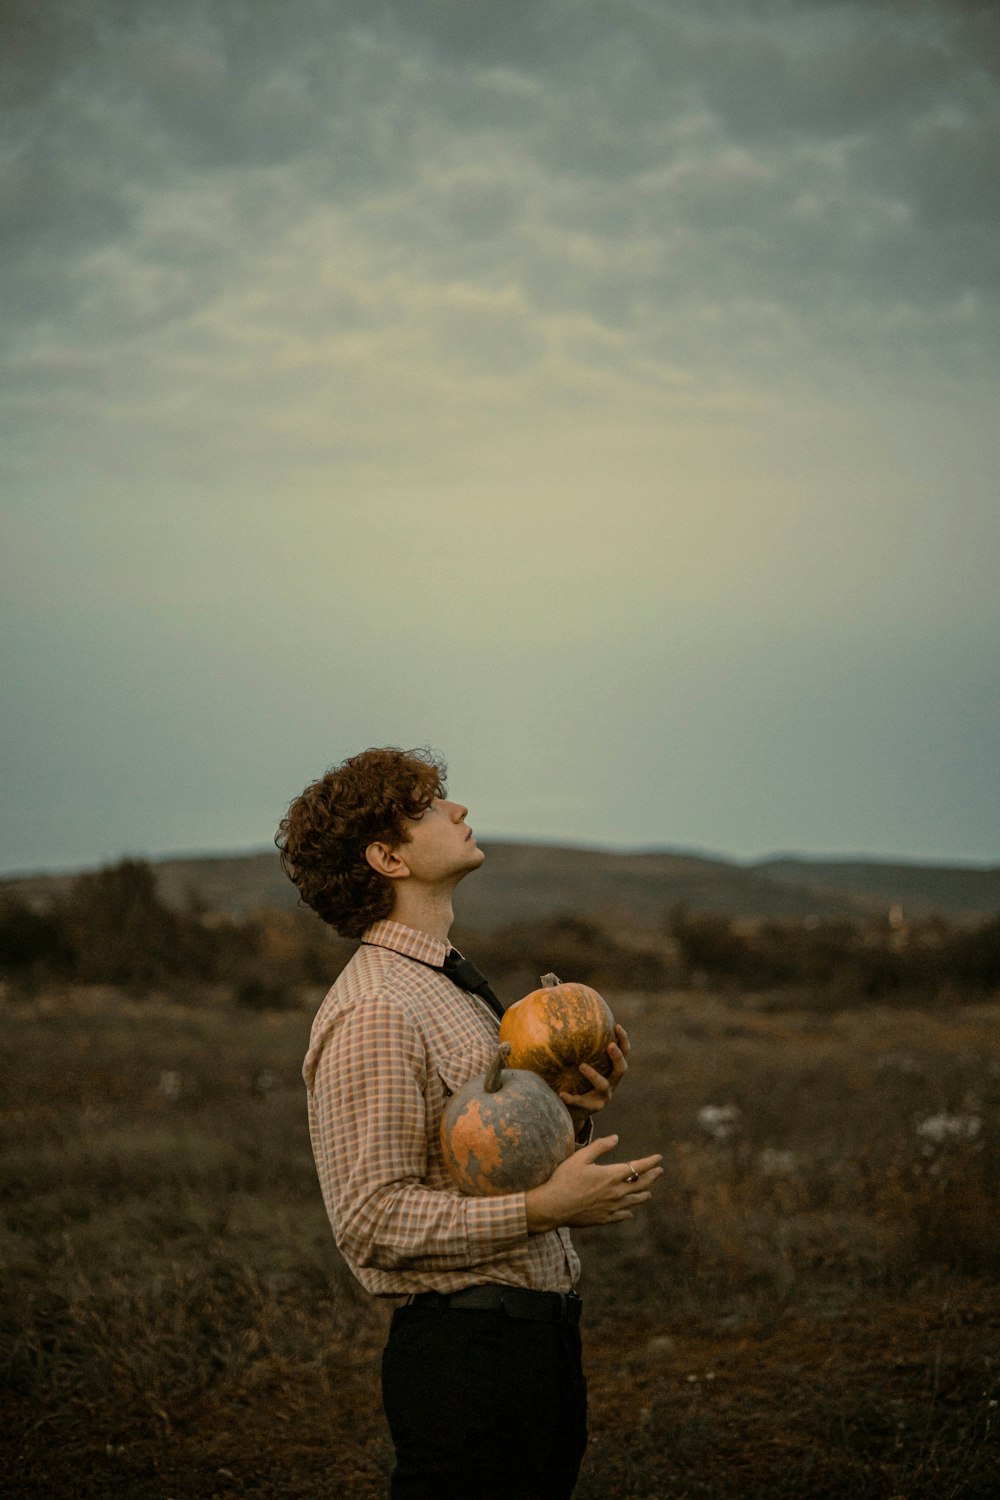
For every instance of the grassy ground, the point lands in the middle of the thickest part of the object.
(809, 1307)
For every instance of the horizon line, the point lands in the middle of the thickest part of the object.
(535, 841)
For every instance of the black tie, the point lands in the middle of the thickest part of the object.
(465, 974)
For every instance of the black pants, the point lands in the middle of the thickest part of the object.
(483, 1405)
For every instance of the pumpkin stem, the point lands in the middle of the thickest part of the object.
(491, 1082)
(550, 981)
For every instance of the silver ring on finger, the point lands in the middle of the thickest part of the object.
(633, 1175)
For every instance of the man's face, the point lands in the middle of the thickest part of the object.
(440, 847)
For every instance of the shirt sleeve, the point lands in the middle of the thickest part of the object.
(368, 1096)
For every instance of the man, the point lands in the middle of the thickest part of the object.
(481, 1375)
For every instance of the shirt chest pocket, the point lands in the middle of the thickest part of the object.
(456, 1069)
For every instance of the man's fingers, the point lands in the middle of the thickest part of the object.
(646, 1163)
(618, 1054)
(597, 1147)
(628, 1193)
(582, 1101)
(619, 1068)
(599, 1084)
(602, 1143)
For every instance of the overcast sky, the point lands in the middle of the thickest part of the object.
(603, 392)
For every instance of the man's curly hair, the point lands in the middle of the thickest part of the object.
(324, 834)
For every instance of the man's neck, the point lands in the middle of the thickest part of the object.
(427, 910)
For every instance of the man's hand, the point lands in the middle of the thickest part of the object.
(581, 1192)
(599, 1094)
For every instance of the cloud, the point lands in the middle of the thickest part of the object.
(663, 159)
(540, 346)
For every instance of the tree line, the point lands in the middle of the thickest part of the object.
(874, 958)
(112, 927)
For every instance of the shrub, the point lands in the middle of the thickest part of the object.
(29, 939)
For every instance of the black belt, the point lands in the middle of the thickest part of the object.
(515, 1301)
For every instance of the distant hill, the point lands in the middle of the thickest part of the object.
(522, 881)
(530, 881)
(953, 890)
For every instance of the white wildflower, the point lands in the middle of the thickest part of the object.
(265, 1082)
(170, 1084)
(719, 1120)
(944, 1127)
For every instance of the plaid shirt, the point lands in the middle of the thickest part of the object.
(391, 1041)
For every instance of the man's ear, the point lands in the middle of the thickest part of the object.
(387, 861)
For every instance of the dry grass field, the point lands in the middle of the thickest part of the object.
(809, 1308)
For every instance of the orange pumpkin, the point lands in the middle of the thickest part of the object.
(555, 1029)
(505, 1132)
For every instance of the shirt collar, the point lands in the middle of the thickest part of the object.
(409, 941)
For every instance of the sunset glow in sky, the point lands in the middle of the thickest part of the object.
(603, 392)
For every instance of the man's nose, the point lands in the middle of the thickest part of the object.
(459, 812)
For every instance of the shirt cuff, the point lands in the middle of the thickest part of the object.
(496, 1223)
